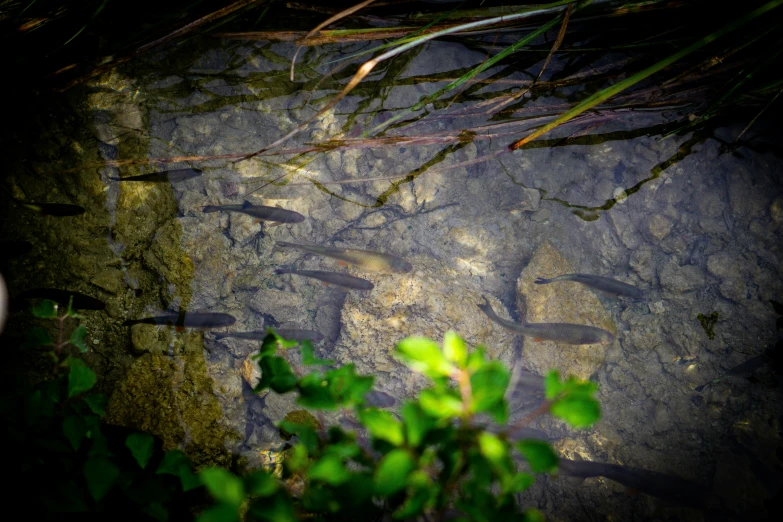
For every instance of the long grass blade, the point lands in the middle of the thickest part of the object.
(338, 16)
(604, 94)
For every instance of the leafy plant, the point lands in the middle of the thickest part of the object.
(431, 459)
(71, 460)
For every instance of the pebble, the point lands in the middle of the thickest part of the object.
(657, 308)
(619, 195)
(541, 216)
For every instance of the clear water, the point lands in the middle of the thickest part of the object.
(695, 226)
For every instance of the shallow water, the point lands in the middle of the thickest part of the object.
(699, 230)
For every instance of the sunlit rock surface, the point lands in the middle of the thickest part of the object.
(428, 301)
(559, 302)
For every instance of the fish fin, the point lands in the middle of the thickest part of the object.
(342, 263)
(179, 328)
(246, 204)
(324, 283)
(538, 339)
(631, 492)
(273, 225)
(256, 221)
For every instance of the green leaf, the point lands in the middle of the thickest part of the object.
(417, 423)
(80, 378)
(176, 463)
(540, 455)
(533, 515)
(519, 483)
(269, 344)
(157, 511)
(260, 484)
(101, 474)
(424, 355)
(220, 513)
(392, 472)
(309, 358)
(455, 349)
(141, 446)
(488, 385)
(338, 387)
(78, 336)
(579, 412)
(37, 336)
(74, 430)
(305, 432)
(382, 425)
(493, 449)
(97, 403)
(329, 469)
(440, 404)
(423, 491)
(276, 374)
(45, 309)
(224, 486)
(277, 509)
(552, 385)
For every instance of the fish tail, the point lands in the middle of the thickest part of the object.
(285, 244)
(542, 281)
(210, 208)
(131, 322)
(283, 271)
(220, 335)
(115, 179)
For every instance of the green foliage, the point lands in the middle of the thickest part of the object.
(72, 462)
(430, 456)
(572, 400)
(45, 309)
(416, 464)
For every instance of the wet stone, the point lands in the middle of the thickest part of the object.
(530, 200)
(679, 279)
(542, 216)
(642, 262)
(659, 226)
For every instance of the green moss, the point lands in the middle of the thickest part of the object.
(299, 417)
(708, 322)
(173, 399)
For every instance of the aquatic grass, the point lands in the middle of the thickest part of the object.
(607, 93)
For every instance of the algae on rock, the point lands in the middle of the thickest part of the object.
(173, 399)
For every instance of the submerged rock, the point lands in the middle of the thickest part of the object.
(173, 398)
(563, 302)
(428, 301)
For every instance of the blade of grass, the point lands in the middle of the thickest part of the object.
(338, 16)
(465, 77)
(604, 94)
(215, 15)
(369, 65)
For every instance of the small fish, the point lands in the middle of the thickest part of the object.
(80, 301)
(260, 212)
(366, 259)
(172, 176)
(603, 284)
(289, 334)
(201, 320)
(747, 366)
(668, 487)
(334, 278)
(12, 248)
(379, 399)
(560, 332)
(54, 209)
